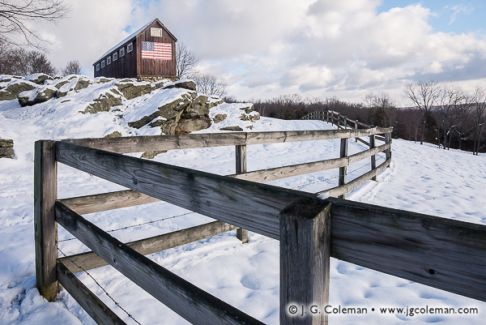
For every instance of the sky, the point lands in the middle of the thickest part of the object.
(317, 49)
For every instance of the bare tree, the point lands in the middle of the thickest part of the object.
(72, 67)
(424, 96)
(18, 61)
(39, 63)
(209, 85)
(15, 15)
(185, 61)
(13, 61)
(450, 105)
(381, 109)
(478, 101)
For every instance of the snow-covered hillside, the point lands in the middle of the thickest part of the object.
(421, 178)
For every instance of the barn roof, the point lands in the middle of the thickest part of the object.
(133, 35)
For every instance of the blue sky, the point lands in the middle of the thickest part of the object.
(448, 15)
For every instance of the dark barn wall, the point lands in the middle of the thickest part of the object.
(149, 67)
(124, 67)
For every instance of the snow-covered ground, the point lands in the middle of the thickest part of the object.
(421, 178)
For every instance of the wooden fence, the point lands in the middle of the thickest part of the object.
(446, 254)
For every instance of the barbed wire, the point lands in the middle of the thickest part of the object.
(101, 287)
(136, 225)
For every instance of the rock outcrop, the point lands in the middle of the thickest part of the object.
(232, 128)
(14, 88)
(188, 113)
(185, 84)
(36, 96)
(131, 89)
(104, 102)
(7, 148)
(219, 117)
(38, 78)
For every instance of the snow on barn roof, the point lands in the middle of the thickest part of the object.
(133, 35)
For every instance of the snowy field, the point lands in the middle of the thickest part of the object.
(421, 178)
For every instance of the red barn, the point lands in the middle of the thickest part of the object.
(150, 52)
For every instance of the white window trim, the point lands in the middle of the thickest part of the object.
(108, 60)
(102, 64)
(156, 32)
(122, 52)
(115, 56)
(129, 47)
(97, 67)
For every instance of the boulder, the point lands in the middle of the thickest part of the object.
(6, 148)
(102, 80)
(250, 117)
(185, 84)
(38, 78)
(231, 128)
(114, 134)
(248, 109)
(183, 115)
(14, 88)
(166, 111)
(36, 96)
(219, 117)
(74, 83)
(131, 90)
(104, 102)
(82, 83)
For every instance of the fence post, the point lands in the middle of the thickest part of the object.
(373, 157)
(356, 128)
(240, 155)
(304, 261)
(327, 116)
(388, 140)
(343, 170)
(45, 226)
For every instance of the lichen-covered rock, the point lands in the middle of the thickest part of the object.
(103, 80)
(7, 148)
(214, 102)
(185, 84)
(134, 89)
(254, 116)
(104, 102)
(167, 111)
(219, 117)
(114, 134)
(73, 83)
(248, 109)
(14, 88)
(183, 115)
(232, 128)
(38, 78)
(36, 96)
(151, 154)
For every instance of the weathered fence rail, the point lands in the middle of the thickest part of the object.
(442, 253)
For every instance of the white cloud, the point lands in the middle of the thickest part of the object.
(90, 28)
(267, 48)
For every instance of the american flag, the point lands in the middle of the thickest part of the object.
(156, 50)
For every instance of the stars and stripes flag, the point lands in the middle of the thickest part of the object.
(156, 51)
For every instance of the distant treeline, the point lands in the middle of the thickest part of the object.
(445, 117)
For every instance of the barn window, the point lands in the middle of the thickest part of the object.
(156, 32)
(97, 67)
(108, 60)
(115, 56)
(102, 64)
(122, 52)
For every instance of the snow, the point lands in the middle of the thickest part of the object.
(421, 178)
